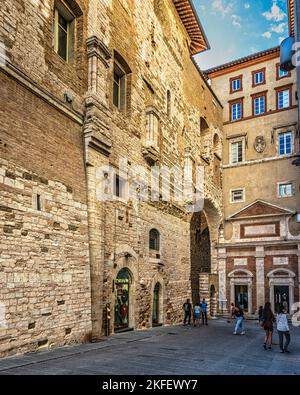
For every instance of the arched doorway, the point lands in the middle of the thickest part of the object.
(281, 283)
(122, 300)
(156, 313)
(200, 256)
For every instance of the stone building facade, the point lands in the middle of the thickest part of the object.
(85, 84)
(148, 262)
(259, 250)
(44, 257)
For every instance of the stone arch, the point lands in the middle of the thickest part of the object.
(125, 258)
(236, 272)
(288, 272)
(204, 234)
(121, 60)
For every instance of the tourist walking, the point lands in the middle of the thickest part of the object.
(187, 308)
(197, 314)
(283, 330)
(239, 320)
(204, 312)
(267, 323)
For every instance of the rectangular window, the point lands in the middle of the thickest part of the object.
(259, 77)
(259, 105)
(237, 196)
(63, 31)
(236, 85)
(237, 152)
(285, 143)
(283, 99)
(119, 187)
(38, 202)
(286, 189)
(236, 111)
(119, 87)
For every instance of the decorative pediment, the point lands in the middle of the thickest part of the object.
(260, 208)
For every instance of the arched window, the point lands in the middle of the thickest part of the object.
(169, 109)
(204, 128)
(154, 240)
(122, 83)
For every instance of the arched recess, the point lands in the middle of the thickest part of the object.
(124, 259)
(157, 301)
(205, 137)
(204, 233)
(282, 288)
(241, 289)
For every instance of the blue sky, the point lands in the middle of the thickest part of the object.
(237, 28)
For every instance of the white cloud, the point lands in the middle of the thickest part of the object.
(267, 35)
(278, 28)
(221, 6)
(236, 20)
(247, 6)
(275, 14)
(280, 39)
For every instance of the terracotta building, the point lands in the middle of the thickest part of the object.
(259, 250)
(85, 84)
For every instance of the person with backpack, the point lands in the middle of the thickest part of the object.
(268, 319)
(239, 319)
(187, 308)
(283, 330)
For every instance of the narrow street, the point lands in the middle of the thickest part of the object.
(179, 350)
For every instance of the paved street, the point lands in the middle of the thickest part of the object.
(166, 350)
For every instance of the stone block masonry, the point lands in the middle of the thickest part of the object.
(44, 272)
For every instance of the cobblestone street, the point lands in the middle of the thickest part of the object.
(167, 351)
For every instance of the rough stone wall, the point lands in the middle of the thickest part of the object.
(26, 31)
(152, 40)
(44, 256)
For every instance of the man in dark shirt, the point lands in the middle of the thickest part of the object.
(239, 318)
(187, 308)
(204, 312)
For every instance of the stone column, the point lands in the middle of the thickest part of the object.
(222, 281)
(260, 276)
(97, 151)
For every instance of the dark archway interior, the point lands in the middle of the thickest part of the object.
(200, 252)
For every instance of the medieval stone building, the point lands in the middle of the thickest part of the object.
(87, 85)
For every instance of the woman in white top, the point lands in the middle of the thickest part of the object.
(283, 329)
